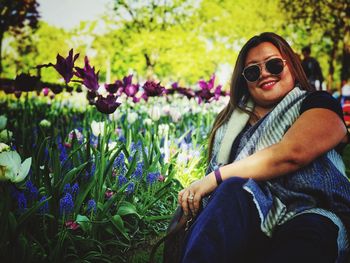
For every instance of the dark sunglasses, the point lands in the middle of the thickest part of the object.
(274, 66)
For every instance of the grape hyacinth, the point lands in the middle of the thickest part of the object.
(66, 204)
(91, 206)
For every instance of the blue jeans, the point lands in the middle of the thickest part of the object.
(228, 230)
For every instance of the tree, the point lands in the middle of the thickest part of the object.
(333, 19)
(14, 16)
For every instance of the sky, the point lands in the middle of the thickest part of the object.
(68, 14)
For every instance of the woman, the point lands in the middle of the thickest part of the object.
(277, 184)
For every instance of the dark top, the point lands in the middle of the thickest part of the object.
(316, 99)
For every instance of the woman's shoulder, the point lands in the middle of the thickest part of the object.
(321, 99)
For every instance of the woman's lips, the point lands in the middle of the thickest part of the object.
(268, 85)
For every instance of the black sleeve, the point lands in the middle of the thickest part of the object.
(321, 99)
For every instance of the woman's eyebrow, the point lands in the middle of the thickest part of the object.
(256, 61)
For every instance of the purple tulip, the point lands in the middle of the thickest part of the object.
(113, 88)
(189, 93)
(131, 90)
(205, 94)
(64, 66)
(88, 75)
(91, 96)
(56, 88)
(152, 89)
(107, 105)
(46, 91)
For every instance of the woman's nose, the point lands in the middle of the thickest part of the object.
(264, 72)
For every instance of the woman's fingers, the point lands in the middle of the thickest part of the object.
(190, 200)
(196, 203)
(184, 202)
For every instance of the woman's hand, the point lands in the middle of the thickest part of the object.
(189, 198)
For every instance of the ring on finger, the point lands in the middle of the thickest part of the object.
(190, 197)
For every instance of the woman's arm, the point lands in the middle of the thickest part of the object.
(315, 132)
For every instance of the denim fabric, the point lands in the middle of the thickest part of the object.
(228, 230)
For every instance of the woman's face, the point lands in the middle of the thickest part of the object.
(269, 89)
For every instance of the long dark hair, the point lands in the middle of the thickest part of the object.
(238, 89)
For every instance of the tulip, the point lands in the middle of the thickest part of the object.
(64, 66)
(97, 128)
(152, 89)
(46, 91)
(147, 122)
(88, 76)
(4, 147)
(12, 168)
(155, 113)
(72, 225)
(107, 105)
(45, 123)
(132, 117)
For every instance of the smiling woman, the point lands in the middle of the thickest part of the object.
(276, 181)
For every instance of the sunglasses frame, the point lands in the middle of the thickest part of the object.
(264, 63)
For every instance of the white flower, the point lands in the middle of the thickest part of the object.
(147, 122)
(154, 113)
(115, 116)
(12, 168)
(45, 123)
(3, 122)
(4, 147)
(165, 110)
(97, 128)
(132, 117)
(163, 130)
(175, 114)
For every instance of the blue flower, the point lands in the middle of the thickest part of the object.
(122, 180)
(130, 188)
(32, 190)
(22, 202)
(91, 206)
(66, 188)
(138, 171)
(122, 139)
(152, 177)
(44, 209)
(75, 189)
(66, 204)
(119, 162)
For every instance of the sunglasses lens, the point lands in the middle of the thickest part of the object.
(252, 73)
(275, 66)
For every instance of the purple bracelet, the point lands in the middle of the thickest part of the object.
(218, 176)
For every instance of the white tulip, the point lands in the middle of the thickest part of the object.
(12, 168)
(147, 122)
(97, 128)
(132, 117)
(154, 113)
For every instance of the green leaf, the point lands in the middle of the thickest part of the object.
(127, 208)
(84, 222)
(118, 222)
